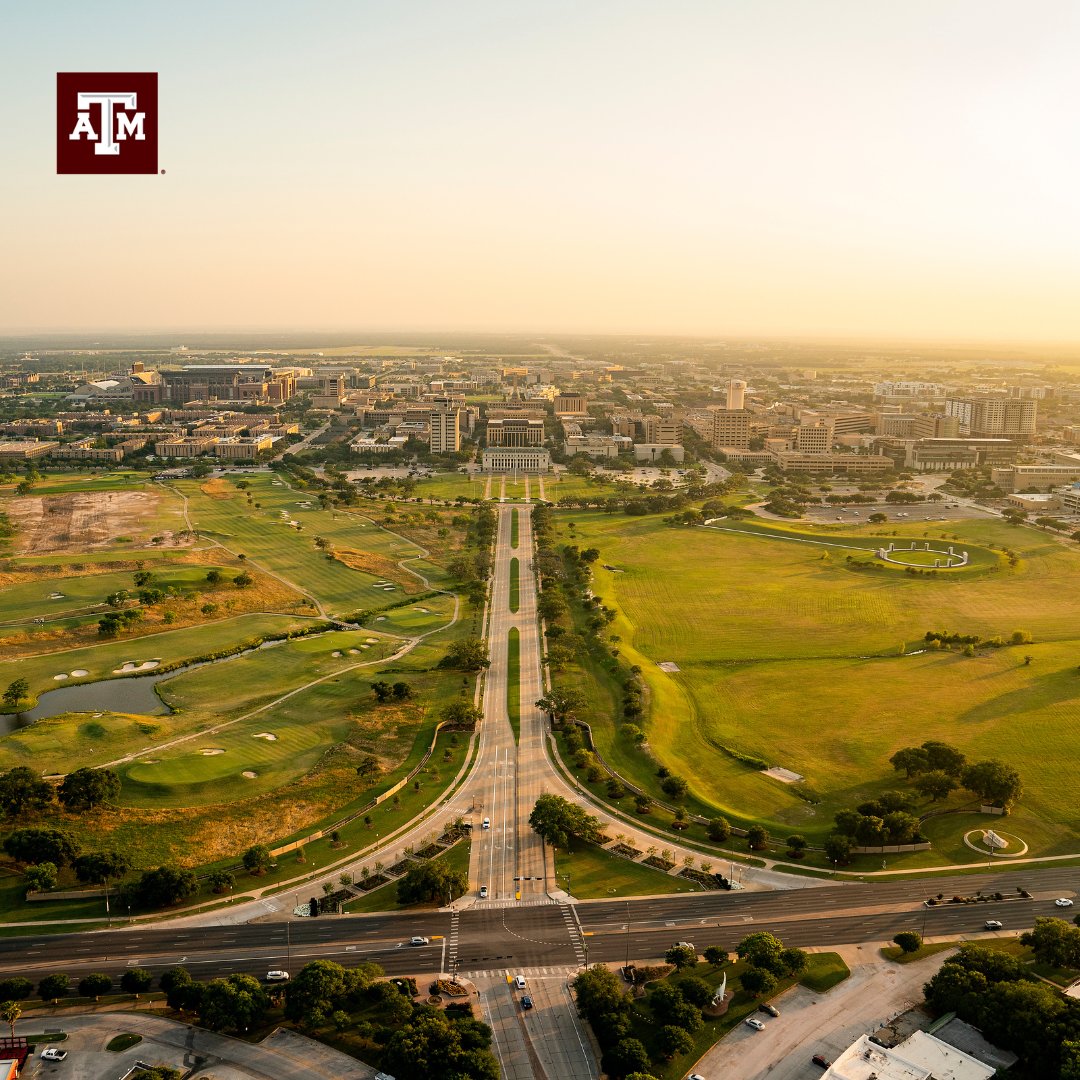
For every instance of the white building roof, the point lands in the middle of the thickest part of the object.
(921, 1057)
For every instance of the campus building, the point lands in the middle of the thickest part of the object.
(523, 430)
(25, 449)
(1034, 477)
(945, 455)
(445, 431)
(736, 394)
(730, 427)
(571, 405)
(253, 384)
(832, 464)
(994, 416)
(516, 459)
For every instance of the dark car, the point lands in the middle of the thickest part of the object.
(820, 1059)
(526, 1002)
(772, 1010)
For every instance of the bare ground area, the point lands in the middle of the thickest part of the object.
(81, 521)
(379, 565)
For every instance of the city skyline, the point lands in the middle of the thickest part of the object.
(844, 171)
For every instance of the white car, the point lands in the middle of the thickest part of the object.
(483, 892)
(277, 975)
(757, 1025)
(418, 941)
(53, 1054)
(1063, 901)
(992, 924)
(486, 823)
(519, 982)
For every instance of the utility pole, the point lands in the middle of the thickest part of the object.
(627, 933)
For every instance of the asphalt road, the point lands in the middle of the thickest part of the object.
(535, 935)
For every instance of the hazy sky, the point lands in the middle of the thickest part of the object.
(693, 166)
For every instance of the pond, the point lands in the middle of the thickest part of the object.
(131, 695)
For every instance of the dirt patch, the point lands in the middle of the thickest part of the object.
(381, 567)
(83, 520)
(217, 489)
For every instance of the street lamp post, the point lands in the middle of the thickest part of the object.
(627, 933)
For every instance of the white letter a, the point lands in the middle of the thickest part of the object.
(83, 125)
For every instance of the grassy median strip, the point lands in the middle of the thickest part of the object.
(514, 528)
(515, 588)
(513, 678)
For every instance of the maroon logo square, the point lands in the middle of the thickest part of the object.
(107, 122)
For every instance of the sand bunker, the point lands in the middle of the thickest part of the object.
(336, 654)
(785, 776)
(381, 618)
(79, 673)
(668, 665)
(56, 596)
(373, 640)
(61, 677)
(269, 736)
(136, 665)
(365, 646)
(353, 652)
(249, 775)
(211, 751)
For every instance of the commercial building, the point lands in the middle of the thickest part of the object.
(816, 437)
(994, 416)
(920, 1057)
(1034, 477)
(445, 431)
(516, 459)
(736, 394)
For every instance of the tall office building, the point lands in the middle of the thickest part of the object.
(993, 417)
(736, 394)
(445, 431)
(730, 427)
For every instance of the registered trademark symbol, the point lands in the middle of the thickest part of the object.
(162, 172)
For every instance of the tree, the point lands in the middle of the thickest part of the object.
(719, 829)
(53, 987)
(993, 781)
(910, 941)
(243, 580)
(257, 859)
(670, 1007)
(214, 577)
(674, 787)
(681, 956)
(796, 845)
(180, 989)
(936, 785)
(794, 961)
(317, 990)
(598, 991)
(402, 691)
(220, 881)
(627, 1056)
(467, 654)
(463, 714)
(136, 981)
(233, 1004)
(911, 761)
(1054, 942)
(162, 887)
(756, 838)
(715, 955)
(157, 1072)
(41, 845)
(15, 988)
(433, 1047)
(382, 690)
(757, 981)
(557, 820)
(21, 790)
(42, 877)
(432, 880)
(95, 984)
(696, 990)
(85, 788)
(941, 756)
(762, 950)
(17, 692)
(10, 1011)
(838, 848)
(674, 1041)
(97, 867)
(369, 768)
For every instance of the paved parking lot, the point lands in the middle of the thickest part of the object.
(282, 1056)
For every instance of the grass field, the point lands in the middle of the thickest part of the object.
(384, 898)
(514, 528)
(591, 873)
(795, 658)
(513, 680)
(515, 585)
(266, 532)
(449, 486)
